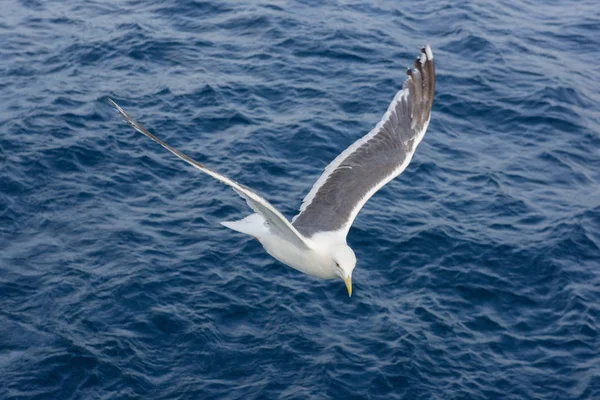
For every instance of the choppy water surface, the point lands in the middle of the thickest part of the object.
(478, 273)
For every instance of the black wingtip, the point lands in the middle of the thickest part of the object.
(115, 105)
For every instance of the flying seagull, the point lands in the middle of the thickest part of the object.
(314, 242)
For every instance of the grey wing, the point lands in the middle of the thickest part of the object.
(375, 159)
(276, 222)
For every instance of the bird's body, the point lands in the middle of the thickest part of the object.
(315, 241)
(315, 260)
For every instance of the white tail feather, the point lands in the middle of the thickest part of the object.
(253, 225)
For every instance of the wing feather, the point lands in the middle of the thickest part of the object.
(373, 160)
(276, 222)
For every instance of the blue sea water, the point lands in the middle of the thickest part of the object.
(478, 272)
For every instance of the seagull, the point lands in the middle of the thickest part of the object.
(314, 242)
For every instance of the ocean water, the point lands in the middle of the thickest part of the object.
(478, 272)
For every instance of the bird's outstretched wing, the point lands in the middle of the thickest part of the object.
(375, 159)
(276, 222)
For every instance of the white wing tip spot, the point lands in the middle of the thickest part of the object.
(428, 52)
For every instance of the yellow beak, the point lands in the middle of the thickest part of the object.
(348, 281)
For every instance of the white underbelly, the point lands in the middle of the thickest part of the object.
(306, 261)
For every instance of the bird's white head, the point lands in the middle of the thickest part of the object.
(345, 261)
